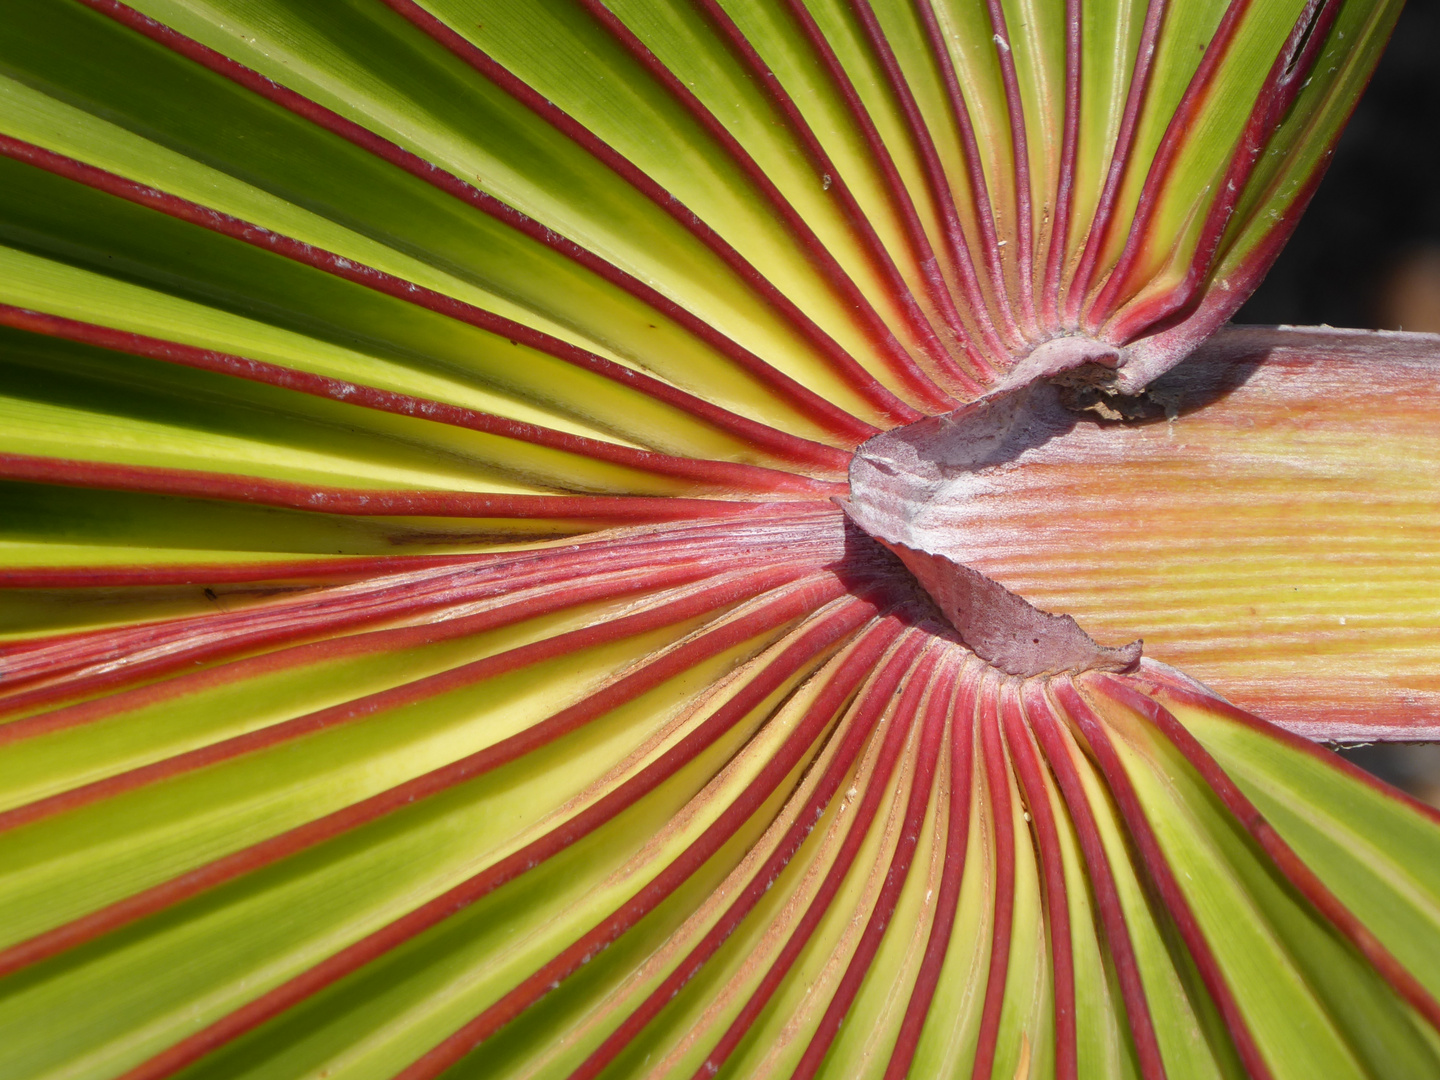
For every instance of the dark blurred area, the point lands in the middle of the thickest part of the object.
(1367, 254)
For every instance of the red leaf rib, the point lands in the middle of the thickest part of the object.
(807, 401)
(961, 735)
(727, 476)
(937, 692)
(1161, 876)
(856, 733)
(1305, 880)
(1054, 744)
(726, 590)
(839, 359)
(882, 337)
(817, 718)
(766, 615)
(957, 248)
(288, 247)
(996, 774)
(1016, 726)
(896, 733)
(841, 619)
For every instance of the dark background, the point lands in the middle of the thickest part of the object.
(1377, 213)
(1367, 253)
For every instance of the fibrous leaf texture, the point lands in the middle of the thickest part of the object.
(550, 538)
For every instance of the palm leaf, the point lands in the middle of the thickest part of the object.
(430, 642)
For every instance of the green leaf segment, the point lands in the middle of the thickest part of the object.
(429, 643)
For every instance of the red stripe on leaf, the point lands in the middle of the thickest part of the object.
(1305, 880)
(105, 660)
(895, 735)
(903, 206)
(374, 502)
(1161, 876)
(1150, 678)
(335, 570)
(724, 475)
(830, 626)
(1020, 167)
(1121, 284)
(840, 360)
(1102, 224)
(952, 875)
(827, 172)
(997, 798)
(850, 675)
(880, 335)
(765, 615)
(1287, 77)
(1016, 726)
(544, 581)
(1065, 181)
(548, 977)
(1053, 742)
(1227, 293)
(757, 434)
(727, 590)
(938, 690)
(806, 401)
(943, 198)
(999, 300)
